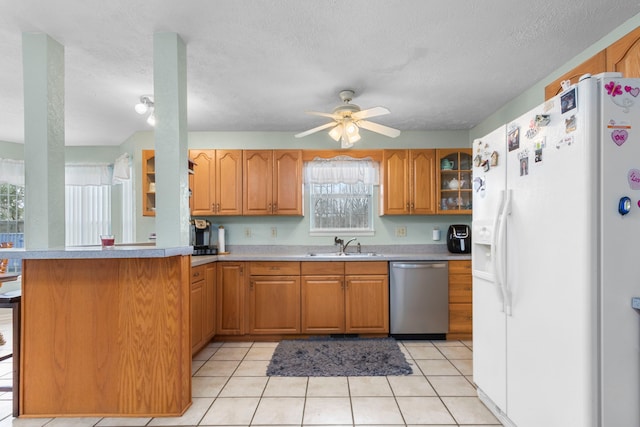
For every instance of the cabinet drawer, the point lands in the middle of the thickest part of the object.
(460, 292)
(271, 268)
(197, 273)
(322, 268)
(460, 267)
(366, 267)
(460, 318)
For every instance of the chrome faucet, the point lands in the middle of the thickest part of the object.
(347, 244)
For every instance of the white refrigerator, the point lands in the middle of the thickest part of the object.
(556, 260)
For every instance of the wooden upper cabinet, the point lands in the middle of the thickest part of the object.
(287, 182)
(395, 182)
(216, 183)
(595, 65)
(272, 182)
(407, 186)
(624, 55)
(422, 181)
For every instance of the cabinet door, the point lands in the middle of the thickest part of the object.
(197, 336)
(395, 184)
(322, 304)
(203, 195)
(454, 194)
(423, 182)
(209, 302)
(624, 55)
(228, 182)
(367, 304)
(257, 182)
(274, 304)
(287, 182)
(460, 300)
(230, 298)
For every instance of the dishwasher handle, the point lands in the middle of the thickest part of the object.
(419, 265)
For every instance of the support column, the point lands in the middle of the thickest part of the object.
(43, 65)
(171, 145)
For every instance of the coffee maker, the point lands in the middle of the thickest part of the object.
(201, 237)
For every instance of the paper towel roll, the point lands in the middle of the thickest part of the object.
(221, 247)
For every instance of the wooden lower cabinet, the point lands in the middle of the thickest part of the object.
(335, 301)
(230, 299)
(274, 305)
(203, 305)
(366, 304)
(274, 298)
(460, 300)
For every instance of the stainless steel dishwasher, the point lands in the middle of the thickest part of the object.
(419, 299)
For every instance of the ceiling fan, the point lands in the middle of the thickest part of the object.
(348, 119)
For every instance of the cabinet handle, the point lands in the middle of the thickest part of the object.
(275, 208)
(196, 274)
(213, 207)
(218, 208)
(251, 285)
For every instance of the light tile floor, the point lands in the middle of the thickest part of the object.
(230, 388)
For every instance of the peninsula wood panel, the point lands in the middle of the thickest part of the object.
(106, 337)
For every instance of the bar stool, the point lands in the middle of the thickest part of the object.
(12, 300)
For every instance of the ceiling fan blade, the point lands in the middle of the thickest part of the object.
(370, 112)
(330, 115)
(316, 129)
(378, 128)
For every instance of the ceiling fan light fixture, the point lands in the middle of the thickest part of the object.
(348, 119)
(336, 132)
(144, 105)
(151, 120)
(353, 137)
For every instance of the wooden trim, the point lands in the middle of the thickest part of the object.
(308, 155)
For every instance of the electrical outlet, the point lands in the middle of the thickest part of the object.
(401, 231)
(274, 232)
(247, 232)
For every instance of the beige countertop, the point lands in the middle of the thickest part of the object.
(328, 253)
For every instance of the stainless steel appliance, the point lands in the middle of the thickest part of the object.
(459, 239)
(419, 299)
(201, 237)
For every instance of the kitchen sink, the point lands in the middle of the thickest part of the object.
(346, 255)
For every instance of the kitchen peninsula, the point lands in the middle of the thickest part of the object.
(105, 332)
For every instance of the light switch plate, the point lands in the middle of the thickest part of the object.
(635, 303)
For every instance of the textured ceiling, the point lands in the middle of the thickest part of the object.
(256, 65)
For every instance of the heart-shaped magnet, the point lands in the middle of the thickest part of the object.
(634, 179)
(619, 136)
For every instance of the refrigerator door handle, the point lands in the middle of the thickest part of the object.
(506, 293)
(495, 250)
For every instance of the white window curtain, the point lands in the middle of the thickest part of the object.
(88, 202)
(342, 169)
(87, 213)
(88, 174)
